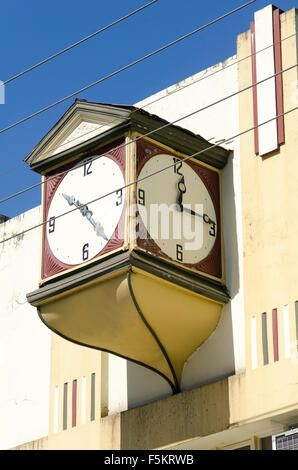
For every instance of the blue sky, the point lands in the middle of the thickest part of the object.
(33, 30)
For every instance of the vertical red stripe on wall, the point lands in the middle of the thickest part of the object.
(254, 89)
(74, 403)
(275, 335)
(278, 78)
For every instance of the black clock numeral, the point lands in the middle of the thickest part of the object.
(52, 222)
(212, 229)
(177, 166)
(141, 197)
(120, 197)
(87, 170)
(85, 251)
(179, 252)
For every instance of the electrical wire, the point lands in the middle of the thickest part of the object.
(196, 154)
(220, 70)
(160, 98)
(152, 132)
(116, 72)
(77, 43)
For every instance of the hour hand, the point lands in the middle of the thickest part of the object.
(98, 228)
(190, 211)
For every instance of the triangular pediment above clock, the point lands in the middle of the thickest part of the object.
(83, 122)
(87, 125)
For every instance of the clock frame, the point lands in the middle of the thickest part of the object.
(51, 265)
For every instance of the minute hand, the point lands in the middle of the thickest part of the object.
(83, 208)
(205, 217)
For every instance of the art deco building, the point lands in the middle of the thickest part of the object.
(128, 340)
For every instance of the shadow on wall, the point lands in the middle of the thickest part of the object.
(144, 386)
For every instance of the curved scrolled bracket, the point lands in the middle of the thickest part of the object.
(174, 385)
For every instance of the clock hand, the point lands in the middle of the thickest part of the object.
(181, 185)
(182, 190)
(72, 201)
(205, 217)
(86, 213)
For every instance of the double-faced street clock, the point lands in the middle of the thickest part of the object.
(84, 204)
(132, 248)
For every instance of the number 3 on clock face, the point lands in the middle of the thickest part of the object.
(84, 231)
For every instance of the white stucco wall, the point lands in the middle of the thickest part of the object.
(24, 340)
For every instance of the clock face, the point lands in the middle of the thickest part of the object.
(176, 209)
(87, 228)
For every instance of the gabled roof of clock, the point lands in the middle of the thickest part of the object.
(86, 124)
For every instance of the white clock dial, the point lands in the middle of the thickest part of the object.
(82, 233)
(176, 209)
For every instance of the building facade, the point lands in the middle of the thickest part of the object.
(239, 387)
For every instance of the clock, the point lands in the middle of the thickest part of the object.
(82, 224)
(178, 210)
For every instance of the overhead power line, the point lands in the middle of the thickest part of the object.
(116, 72)
(155, 130)
(8, 170)
(176, 90)
(196, 154)
(77, 43)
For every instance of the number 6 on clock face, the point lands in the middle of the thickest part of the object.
(81, 219)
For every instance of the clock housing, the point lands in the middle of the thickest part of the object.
(81, 224)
